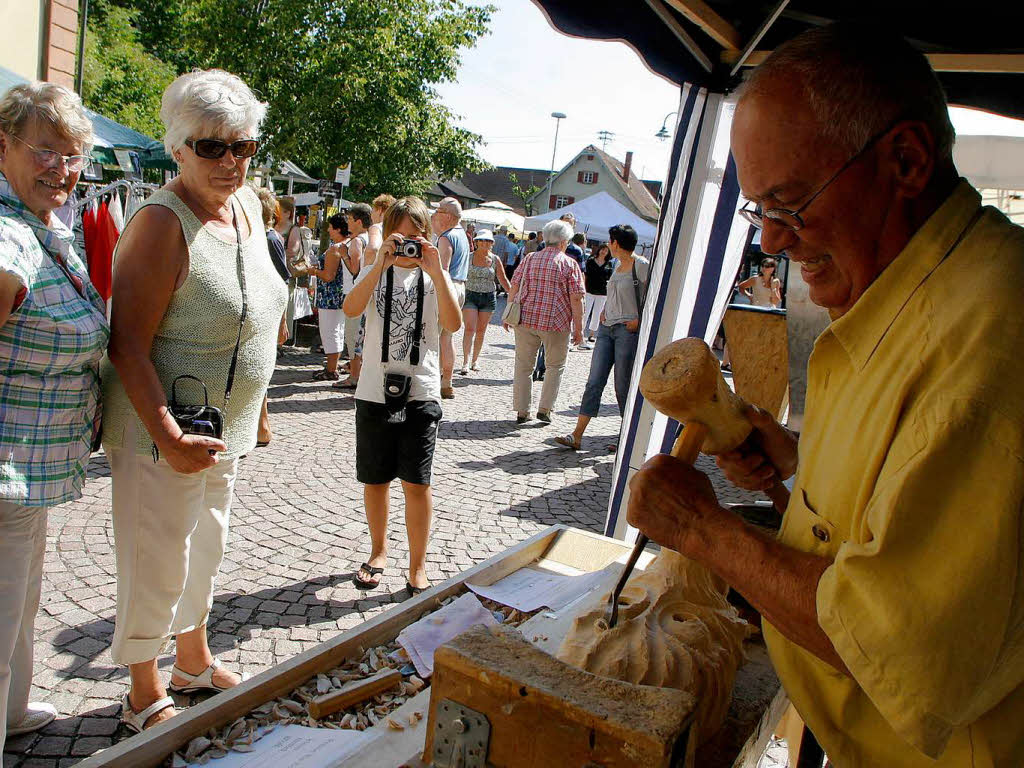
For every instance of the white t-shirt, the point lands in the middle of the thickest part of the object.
(426, 377)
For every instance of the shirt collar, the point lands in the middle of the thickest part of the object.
(864, 326)
(56, 228)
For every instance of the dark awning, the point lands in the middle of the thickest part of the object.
(976, 49)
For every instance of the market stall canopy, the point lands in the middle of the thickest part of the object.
(595, 215)
(975, 49)
(991, 162)
(109, 134)
(495, 214)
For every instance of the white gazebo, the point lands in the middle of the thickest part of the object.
(494, 214)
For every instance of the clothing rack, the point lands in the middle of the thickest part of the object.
(128, 186)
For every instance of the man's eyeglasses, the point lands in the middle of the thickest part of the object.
(790, 219)
(214, 149)
(49, 158)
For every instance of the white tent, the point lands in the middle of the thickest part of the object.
(494, 214)
(991, 162)
(595, 215)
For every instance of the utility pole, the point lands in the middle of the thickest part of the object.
(559, 116)
(604, 137)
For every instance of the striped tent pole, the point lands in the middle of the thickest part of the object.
(698, 251)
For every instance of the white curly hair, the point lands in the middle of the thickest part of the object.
(209, 104)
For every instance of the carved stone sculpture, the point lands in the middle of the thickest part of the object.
(675, 630)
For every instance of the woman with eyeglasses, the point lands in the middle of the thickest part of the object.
(53, 331)
(195, 293)
(763, 289)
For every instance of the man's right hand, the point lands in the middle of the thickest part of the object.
(774, 459)
(192, 453)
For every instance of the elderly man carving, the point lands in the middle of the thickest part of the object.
(893, 597)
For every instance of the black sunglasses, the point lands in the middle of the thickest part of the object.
(214, 149)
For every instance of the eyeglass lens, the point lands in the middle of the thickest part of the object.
(214, 149)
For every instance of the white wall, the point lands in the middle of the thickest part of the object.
(21, 37)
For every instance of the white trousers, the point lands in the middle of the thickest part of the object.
(332, 330)
(22, 549)
(170, 531)
(593, 304)
(556, 348)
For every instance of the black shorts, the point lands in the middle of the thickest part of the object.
(385, 451)
(482, 302)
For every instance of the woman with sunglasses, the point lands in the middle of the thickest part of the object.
(53, 331)
(763, 289)
(194, 293)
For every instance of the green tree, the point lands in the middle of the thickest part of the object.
(523, 194)
(345, 80)
(121, 80)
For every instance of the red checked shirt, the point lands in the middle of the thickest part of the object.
(544, 283)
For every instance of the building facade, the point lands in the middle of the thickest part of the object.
(39, 39)
(593, 171)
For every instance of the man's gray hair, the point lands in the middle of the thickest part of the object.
(452, 206)
(857, 80)
(209, 104)
(556, 232)
(50, 104)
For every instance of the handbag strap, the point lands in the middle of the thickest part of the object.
(385, 343)
(245, 309)
(636, 291)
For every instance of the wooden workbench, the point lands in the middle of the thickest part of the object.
(756, 707)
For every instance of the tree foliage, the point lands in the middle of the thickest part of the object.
(523, 194)
(345, 80)
(121, 80)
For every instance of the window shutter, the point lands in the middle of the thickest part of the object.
(595, 178)
(571, 200)
(551, 203)
(579, 176)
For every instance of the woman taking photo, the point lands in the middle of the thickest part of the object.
(481, 296)
(408, 301)
(195, 293)
(53, 330)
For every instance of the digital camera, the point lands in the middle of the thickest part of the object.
(411, 249)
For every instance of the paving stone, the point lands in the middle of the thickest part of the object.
(298, 532)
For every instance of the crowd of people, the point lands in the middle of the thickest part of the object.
(211, 275)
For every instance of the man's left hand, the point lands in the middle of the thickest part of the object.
(632, 326)
(673, 504)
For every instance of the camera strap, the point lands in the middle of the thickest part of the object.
(245, 307)
(385, 343)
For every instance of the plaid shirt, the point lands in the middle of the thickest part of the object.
(50, 349)
(544, 282)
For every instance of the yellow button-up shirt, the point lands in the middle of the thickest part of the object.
(911, 478)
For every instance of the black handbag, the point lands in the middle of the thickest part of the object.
(206, 419)
(398, 385)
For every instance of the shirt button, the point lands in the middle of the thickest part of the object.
(820, 533)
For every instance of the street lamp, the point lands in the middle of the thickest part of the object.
(559, 116)
(663, 133)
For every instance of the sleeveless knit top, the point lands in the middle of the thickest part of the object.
(481, 279)
(198, 331)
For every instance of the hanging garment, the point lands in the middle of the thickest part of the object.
(116, 212)
(100, 248)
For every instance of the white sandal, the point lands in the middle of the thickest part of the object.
(201, 683)
(136, 721)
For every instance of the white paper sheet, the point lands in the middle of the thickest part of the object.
(529, 589)
(295, 746)
(421, 639)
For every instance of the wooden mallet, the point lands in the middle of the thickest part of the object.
(684, 381)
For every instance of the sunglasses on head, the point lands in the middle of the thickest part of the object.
(214, 149)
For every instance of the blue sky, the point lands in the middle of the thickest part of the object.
(524, 70)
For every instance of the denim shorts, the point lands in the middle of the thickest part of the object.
(482, 302)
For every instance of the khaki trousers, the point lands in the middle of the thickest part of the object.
(170, 531)
(22, 549)
(556, 349)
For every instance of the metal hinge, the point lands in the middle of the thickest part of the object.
(461, 737)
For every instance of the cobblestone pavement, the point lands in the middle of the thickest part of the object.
(298, 532)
